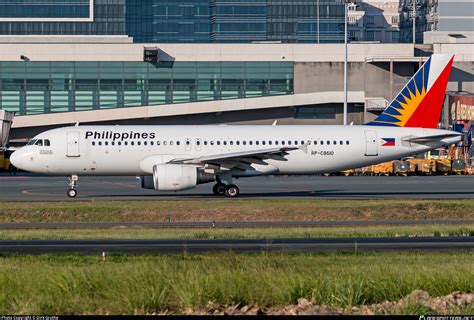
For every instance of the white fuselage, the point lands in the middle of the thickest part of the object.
(134, 150)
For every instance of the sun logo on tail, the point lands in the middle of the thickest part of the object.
(406, 102)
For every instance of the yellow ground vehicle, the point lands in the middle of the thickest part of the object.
(347, 173)
(422, 166)
(382, 169)
(4, 160)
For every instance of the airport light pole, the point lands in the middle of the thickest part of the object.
(345, 63)
(317, 16)
(414, 21)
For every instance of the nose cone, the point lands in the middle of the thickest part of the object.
(16, 159)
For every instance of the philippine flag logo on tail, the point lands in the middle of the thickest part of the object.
(388, 142)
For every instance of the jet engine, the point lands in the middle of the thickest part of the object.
(175, 177)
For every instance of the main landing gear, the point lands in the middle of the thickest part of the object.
(229, 190)
(72, 190)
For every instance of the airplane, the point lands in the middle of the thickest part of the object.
(175, 158)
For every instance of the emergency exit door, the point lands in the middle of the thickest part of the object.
(73, 144)
(371, 147)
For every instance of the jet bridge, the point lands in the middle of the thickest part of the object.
(6, 119)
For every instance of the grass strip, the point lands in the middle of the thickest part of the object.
(143, 284)
(239, 233)
(234, 210)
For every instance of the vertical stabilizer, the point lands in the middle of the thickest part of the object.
(419, 103)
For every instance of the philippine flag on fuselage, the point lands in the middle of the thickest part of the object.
(388, 142)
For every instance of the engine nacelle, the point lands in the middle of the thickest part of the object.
(175, 177)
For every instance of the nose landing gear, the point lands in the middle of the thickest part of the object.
(72, 190)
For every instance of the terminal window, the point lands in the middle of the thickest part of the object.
(34, 9)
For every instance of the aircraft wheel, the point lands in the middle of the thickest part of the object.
(232, 191)
(71, 193)
(218, 189)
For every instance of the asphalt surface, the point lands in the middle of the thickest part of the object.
(236, 245)
(227, 224)
(40, 188)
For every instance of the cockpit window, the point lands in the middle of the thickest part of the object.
(39, 142)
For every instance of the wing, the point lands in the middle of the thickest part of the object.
(240, 160)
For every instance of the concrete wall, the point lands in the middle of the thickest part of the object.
(373, 77)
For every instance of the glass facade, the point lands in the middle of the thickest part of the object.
(44, 8)
(46, 87)
(239, 21)
(185, 21)
(109, 18)
(168, 21)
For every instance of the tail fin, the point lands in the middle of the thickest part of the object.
(419, 103)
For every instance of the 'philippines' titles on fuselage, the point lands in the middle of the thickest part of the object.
(174, 158)
(118, 136)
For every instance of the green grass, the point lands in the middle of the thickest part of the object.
(127, 284)
(215, 233)
(235, 210)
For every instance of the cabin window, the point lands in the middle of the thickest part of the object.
(347, 142)
(256, 142)
(244, 142)
(125, 143)
(231, 142)
(205, 143)
(100, 143)
(188, 142)
(145, 143)
(119, 143)
(198, 142)
(152, 143)
(132, 143)
(341, 143)
(171, 143)
(177, 143)
(93, 143)
(276, 142)
(328, 142)
(138, 143)
(112, 143)
(269, 143)
(315, 142)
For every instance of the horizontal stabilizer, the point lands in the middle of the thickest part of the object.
(432, 138)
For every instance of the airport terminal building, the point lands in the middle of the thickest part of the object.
(82, 62)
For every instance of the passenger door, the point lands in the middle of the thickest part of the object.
(371, 147)
(73, 144)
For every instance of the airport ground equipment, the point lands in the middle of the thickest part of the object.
(458, 166)
(400, 168)
(422, 166)
(383, 169)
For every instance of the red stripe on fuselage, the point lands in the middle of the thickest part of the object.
(428, 112)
